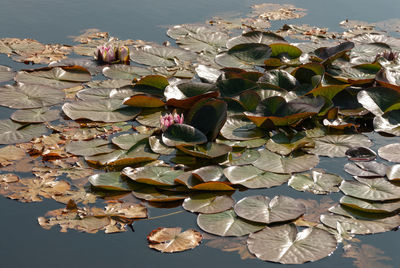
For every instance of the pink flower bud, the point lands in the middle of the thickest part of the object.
(106, 53)
(123, 54)
(169, 119)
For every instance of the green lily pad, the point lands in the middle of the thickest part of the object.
(243, 144)
(286, 245)
(208, 150)
(337, 145)
(393, 173)
(144, 101)
(150, 117)
(330, 54)
(378, 100)
(152, 84)
(21, 96)
(105, 93)
(378, 189)
(244, 56)
(12, 132)
(182, 30)
(123, 71)
(359, 226)
(204, 181)
(153, 194)
(283, 145)
(318, 182)
(370, 206)
(272, 162)
(160, 56)
(6, 73)
(56, 77)
(162, 176)
(127, 141)
(255, 37)
(109, 111)
(182, 134)
(110, 181)
(208, 203)
(238, 128)
(279, 80)
(309, 76)
(227, 223)
(262, 209)
(390, 152)
(159, 147)
(242, 157)
(254, 178)
(39, 115)
(210, 42)
(139, 154)
(366, 169)
(185, 95)
(89, 148)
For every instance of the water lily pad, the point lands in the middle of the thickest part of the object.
(243, 144)
(255, 37)
(378, 189)
(21, 96)
(393, 173)
(252, 177)
(127, 141)
(366, 169)
(203, 181)
(370, 206)
(390, 152)
(182, 134)
(13, 132)
(330, 54)
(104, 93)
(208, 203)
(272, 162)
(277, 111)
(242, 157)
(123, 71)
(378, 100)
(160, 56)
(150, 117)
(318, 182)
(144, 100)
(185, 95)
(153, 194)
(279, 80)
(227, 223)
(284, 145)
(238, 128)
(163, 176)
(208, 116)
(359, 226)
(208, 150)
(286, 245)
(111, 181)
(173, 240)
(203, 42)
(159, 147)
(182, 30)
(39, 115)
(110, 110)
(138, 154)
(89, 148)
(262, 209)
(244, 56)
(337, 145)
(360, 154)
(57, 77)
(6, 73)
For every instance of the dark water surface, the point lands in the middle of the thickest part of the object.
(23, 243)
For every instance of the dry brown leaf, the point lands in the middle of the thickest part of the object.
(269, 11)
(78, 196)
(314, 209)
(231, 244)
(26, 164)
(91, 220)
(366, 256)
(173, 240)
(9, 154)
(32, 190)
(89, 34)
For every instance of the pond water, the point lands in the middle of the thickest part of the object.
(23, 243)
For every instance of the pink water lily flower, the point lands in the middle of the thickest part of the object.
(123, 54)
(170, 119)
(106, 53)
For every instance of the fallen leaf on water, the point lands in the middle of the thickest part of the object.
(173, 240)
(9, 154)
(232, 244)
(366, 256)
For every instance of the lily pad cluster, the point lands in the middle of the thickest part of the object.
(258, 111)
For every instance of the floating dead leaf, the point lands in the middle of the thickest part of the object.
(33, 190)
(89, 34)
(315, 208)
(25, 164)
(78, 196)
(173, 240)
(9, 154)
(269, 11)
(231, 244)
(366, 256)
(91, 220)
